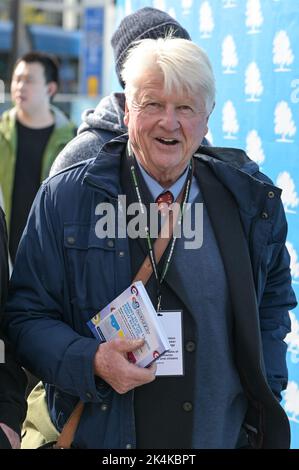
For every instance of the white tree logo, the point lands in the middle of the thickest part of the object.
(206, 21)
(254, 147)
(282, 52)
(291, 397)
(229, 3)
(230, 124)
(186, 6)
(284, 124)
(254, 16)
(289, 196)
(294, 262)
(253, 83)
(229, 55)
(172, 13)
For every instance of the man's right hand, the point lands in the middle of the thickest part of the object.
(112, 365)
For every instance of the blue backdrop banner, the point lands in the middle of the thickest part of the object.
(254, 49)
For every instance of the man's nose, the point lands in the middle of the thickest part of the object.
(169, 119)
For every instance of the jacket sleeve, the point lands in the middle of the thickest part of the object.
(82, 147)
(12, 377)
(277, 299)
(35, 320)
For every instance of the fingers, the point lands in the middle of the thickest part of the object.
(112, 365)
(128, 345)
(153, 368)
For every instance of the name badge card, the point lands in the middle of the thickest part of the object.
(171, 363)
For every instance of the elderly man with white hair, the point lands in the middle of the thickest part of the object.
(226, 298)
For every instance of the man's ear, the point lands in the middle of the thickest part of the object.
(52, 88)
(126, 116)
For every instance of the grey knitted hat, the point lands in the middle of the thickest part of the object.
(144, 23)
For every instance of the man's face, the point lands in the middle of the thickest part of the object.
(164, 130)
(29, 89)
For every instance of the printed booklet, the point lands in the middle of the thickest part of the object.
(132, 315)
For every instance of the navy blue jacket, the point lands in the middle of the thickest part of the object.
(64, 274)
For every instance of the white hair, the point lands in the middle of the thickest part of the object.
(183, 64)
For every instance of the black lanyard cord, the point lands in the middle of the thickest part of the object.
(186, 192)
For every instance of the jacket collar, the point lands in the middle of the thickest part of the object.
(104, 171)
(231, 166)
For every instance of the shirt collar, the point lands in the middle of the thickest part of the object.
(156, 189)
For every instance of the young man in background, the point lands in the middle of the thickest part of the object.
(32, 134)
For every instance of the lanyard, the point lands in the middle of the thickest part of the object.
(182, 199)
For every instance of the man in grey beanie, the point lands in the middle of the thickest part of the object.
(147, 23)
(105, 122)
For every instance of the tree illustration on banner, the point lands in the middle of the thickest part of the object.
(284, 123)
(254, 147)
(282, 52)
(254, 16)
(291, 397)
(253, 83)
(289, 196)
(294, 262)
(229, 54)
(229, 3)
(230, 124)
(186, 6)
(206, 20)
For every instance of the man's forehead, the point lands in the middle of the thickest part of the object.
(28, 69)
(157, 92)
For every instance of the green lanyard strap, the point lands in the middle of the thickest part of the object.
(156, 250)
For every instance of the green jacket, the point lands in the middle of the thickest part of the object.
(63, 132)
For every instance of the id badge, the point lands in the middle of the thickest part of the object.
(171, 363)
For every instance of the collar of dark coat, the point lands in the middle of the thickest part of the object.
(231, 166)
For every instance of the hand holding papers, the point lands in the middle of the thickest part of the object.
(132, 315)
